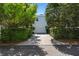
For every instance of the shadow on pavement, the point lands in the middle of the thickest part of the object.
(68, 49)
(28, 50)
(35, 39)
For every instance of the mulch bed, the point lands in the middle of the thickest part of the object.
(11, 43)
(70, 41)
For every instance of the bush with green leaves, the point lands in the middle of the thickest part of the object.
(16, 21)
(63, 20)
(15, 35)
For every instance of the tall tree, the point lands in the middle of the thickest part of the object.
(62, 16)
(17, 18)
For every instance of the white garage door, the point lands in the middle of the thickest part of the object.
(40, 24)
(40, 30)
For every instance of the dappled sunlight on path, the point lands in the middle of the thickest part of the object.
(38, 39)
(44, 42)
(40, 45)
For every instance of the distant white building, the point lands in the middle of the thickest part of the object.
(40, 24)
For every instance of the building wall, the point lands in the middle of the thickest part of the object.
(40, 24)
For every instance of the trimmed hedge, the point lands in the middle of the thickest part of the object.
(15, 35)
(65, 33)
(63, 20)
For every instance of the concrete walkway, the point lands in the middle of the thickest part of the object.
(40, 45)
(44, 42)
(38, 39)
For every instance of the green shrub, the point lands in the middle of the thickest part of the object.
(76, 33)
(65, 33)
(14, 35)
(63, 19)
(47, 29)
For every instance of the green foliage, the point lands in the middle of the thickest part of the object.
(16, 21)
(63, 19)
(14, 35)
(19, 14)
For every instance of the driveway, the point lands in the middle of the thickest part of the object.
(40, 45)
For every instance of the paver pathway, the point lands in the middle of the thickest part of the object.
(38, 39)
(40, 45)
(44, 42)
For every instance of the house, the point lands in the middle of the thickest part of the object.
(40, 24)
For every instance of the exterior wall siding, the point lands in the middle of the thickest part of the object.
(40, 24)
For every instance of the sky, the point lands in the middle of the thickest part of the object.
(41, 8)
